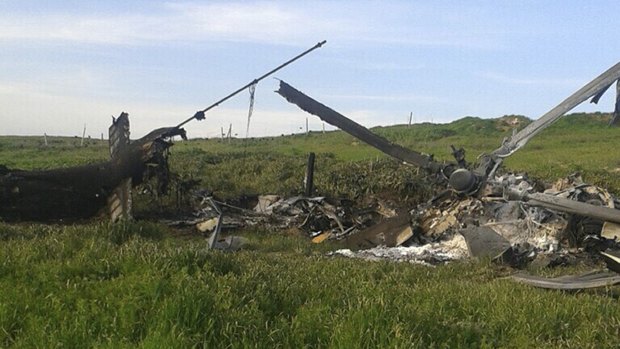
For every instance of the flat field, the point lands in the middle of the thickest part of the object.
(138, 284)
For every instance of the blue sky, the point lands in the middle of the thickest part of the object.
(66, 64)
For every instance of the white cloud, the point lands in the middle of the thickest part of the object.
(266, 22)
(254, 22)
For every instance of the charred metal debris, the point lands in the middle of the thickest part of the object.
(82, 192)
(76, 193)
(503, 217)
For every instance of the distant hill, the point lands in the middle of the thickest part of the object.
(578, 142)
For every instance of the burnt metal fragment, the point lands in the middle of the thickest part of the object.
(472, 183)
(591, 279)
(612, 259)
(484, 242)
(82, 192)
(390, 232)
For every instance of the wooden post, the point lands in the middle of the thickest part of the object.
(45, 138)
(309, 180)
(83, 134)
(323, 127)
(222, 133)
(410, 118)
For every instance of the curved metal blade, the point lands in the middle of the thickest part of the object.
(593, 89)
(358, 131)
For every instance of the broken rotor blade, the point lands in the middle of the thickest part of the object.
(200, 115)
(593, 89)
(570, 282)
(564, 205)
(358, 131)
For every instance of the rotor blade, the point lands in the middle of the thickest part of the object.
(356, 130)
(200, 115)
(592, 89)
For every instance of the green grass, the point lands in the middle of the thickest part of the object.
(141, 285)
(577, 143)
(130, 285)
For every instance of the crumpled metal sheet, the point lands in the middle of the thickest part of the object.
(390, 232)
(591, 279)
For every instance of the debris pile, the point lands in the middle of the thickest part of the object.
(448, 227)
(495, 226)
(318, 217)
(504, 218)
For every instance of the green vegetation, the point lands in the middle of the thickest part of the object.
(127, 285)
(141, 285)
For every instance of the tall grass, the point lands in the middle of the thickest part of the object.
(82, 286)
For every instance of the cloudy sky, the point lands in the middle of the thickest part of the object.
(66, 64)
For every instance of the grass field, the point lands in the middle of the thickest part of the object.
(139, 284)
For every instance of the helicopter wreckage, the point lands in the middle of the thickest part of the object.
(86, 191)
(503, 217)
(479, 212)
